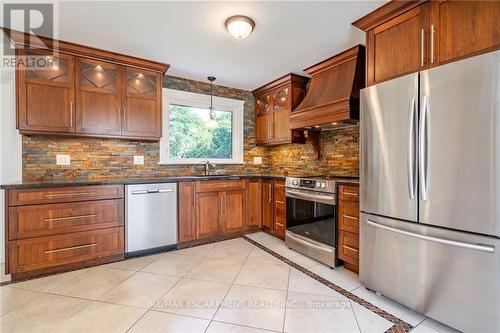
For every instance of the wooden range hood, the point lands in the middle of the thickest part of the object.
(333, 95)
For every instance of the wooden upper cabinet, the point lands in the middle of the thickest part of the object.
(98, 93)
(45, 92)
(273, 104)
(263, 128)
(263, 104)
(464, 28)
(81, 91)
(407, 36)
(142, 104)
(398, 46)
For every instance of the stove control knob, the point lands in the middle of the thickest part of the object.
(318, 184)
(295, 182)
(323, 185)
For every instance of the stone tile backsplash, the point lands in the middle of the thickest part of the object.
(113, 158)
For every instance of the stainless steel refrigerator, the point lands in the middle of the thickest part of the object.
(430, 192)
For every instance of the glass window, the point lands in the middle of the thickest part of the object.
(190, 136)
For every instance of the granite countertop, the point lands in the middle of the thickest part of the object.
(127, 181)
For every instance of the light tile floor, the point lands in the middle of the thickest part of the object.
(229, 286)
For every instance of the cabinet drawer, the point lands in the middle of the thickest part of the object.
(280, 226)
(279, 206)
(220, 185)
(349, 216)
(45, 252)
(349, 193)
(348, 246)
(52, 219)
(64, 194)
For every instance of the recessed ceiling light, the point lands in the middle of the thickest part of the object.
(240, 26)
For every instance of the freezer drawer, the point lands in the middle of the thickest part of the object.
(450, 276)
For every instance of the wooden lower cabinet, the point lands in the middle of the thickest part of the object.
(274, 207)
(41, 253)
(254, 204)
(348, 226)
(267, 205)
(234, 208)
(211, 209)
(187, 212)
(55, 229)
(208, 214)
(52, 219)
(279, 204)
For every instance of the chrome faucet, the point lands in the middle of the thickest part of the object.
(209, 166)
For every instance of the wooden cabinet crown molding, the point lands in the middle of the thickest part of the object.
(282, 81)
(385, 13)
(23, 39)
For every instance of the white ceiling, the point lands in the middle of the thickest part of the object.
(191, 37)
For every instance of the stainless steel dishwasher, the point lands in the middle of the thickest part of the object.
(151, 218)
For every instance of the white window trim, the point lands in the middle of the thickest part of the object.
(172, 96)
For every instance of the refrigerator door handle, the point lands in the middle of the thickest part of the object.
(471, 246)
(424, 149)
(411, 148)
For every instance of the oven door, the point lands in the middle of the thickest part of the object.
(311, 215)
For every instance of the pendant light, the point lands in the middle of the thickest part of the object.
(211, 122)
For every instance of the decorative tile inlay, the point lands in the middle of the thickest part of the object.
(399, 325)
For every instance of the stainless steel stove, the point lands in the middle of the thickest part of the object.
(311, 224)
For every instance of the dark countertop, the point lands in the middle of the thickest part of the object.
(125, 181)
(129, 181)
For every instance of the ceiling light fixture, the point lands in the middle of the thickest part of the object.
(211, 123)
(240, 26)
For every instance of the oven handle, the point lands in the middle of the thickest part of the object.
(300, 195)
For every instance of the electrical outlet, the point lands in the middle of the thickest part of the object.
(138, 160)
(63, 160)
(257, 160)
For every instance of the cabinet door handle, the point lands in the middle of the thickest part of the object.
(55, 219)
(270, 193)
(71, 114)
(71, 248)
(350, 217)
(194, 195)
(279, 202)
(349, 248)
(350, 193)
(225, 203)
(432, 43)
(422, 34)
(68, 194)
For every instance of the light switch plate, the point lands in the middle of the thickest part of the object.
(138, 160)
(63, 160)
(257, 160)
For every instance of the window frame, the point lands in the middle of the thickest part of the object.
(190, 99)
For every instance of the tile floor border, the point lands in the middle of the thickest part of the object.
(399, 324)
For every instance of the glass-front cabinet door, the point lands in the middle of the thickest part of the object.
(141, 104)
